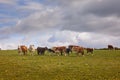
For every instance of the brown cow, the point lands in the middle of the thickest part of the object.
(22, 49)
(78, 49)
(60, 49)
(110, 47)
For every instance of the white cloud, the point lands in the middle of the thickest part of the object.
(64, 36)
(40, 20)
(61, 38)
(97, 40)
(32, 6)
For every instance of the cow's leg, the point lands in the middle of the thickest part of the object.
(65, 54)
(57, 53)
(61, 53)
(87, 51)
(91, 52)
(82, 52)
(32, 52)
(19, 52)
(38, 52)
(24, 52)
(77, 53)
(42, 52)
(68, 53)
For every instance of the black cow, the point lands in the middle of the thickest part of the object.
(41, 50)
(89, 50)
(110, 47)
(68, 50)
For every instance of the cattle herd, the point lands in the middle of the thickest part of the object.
(59, 50)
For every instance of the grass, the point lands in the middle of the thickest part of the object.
(103, 65)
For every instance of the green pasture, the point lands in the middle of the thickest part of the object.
(103, 65)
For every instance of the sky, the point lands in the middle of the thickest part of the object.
(87, 23)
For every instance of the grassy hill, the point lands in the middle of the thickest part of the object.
(103, 65)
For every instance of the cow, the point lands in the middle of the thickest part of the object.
(110, 47)
(78, 50)
(68, 50)
(22, 49)
(116, 48)
(41, 50)
(31, 49)
(59, 49)
(90, 50)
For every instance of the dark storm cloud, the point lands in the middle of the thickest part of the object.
(98, 16)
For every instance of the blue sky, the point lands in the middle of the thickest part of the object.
(88, 23)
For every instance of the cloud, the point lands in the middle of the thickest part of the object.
(48, 23)
(97, 40)
(91, 23)
(91, 16)
(103, 7)
(43, 19)
(32, 6)
(8, 1)
(40, 20)
(68, 18)
(64, 36)
(86, 39)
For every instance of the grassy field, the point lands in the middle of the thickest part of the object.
(103, 65)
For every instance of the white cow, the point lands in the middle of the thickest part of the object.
(32, 49)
